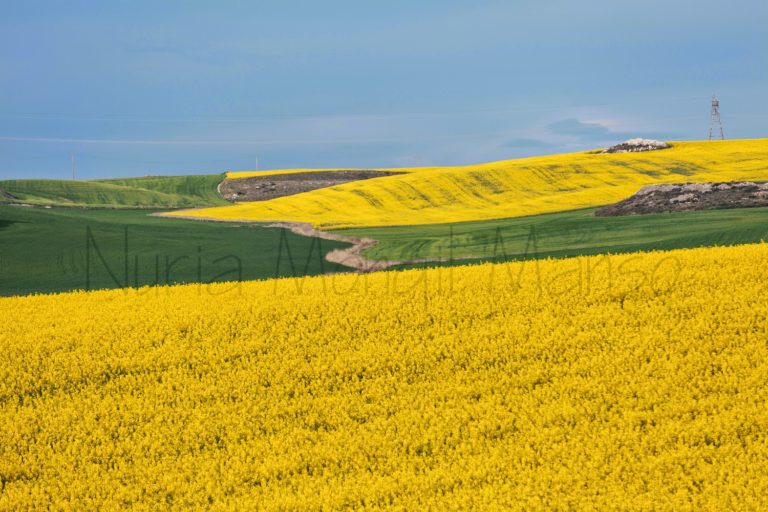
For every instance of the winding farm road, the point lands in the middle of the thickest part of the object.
(351, 257)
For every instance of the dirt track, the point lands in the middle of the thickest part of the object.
(262, 188)
(351, 257)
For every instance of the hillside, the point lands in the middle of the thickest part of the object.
(575, 384)
(561, 234)
(193, 187)
(44, 250)
(146, 192)
(504, 189)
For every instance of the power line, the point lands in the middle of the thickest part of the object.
(715, 124)
(124, 117)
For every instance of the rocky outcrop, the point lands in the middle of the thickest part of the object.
(690, 196)
(637, 145)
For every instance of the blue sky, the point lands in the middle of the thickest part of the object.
(135, 88)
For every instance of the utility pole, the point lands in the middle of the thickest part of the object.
(715, 125)
(73, 165)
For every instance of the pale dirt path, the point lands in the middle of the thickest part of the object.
(351, 257)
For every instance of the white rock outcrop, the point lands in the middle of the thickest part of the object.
(636, 145)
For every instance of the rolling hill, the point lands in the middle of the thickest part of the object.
(145, 192)
(512, 188)
(563, 234)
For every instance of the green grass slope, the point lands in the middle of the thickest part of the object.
(202, 186)
(571, 233)
(147, 192)
(47, 250)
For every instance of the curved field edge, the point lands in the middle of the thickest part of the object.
(513, 188)
(581, 383)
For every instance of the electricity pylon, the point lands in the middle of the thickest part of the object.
(715, 125)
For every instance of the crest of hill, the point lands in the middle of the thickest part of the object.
(145, 192)
(512, 188)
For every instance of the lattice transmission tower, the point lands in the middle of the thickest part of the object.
(715, 124)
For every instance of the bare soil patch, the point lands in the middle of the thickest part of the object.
(689, 197)
(263, 188)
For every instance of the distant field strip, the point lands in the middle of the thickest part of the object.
(513, 188)
(145, 192)
(563, 234)
(635, 382)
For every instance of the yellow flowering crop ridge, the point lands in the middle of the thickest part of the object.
(513, 188)
(608, 382)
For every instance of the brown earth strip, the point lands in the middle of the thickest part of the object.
(263, 188)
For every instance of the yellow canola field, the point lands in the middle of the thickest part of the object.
(512, 188)
(632, 382)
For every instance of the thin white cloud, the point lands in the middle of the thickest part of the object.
(233, 142)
